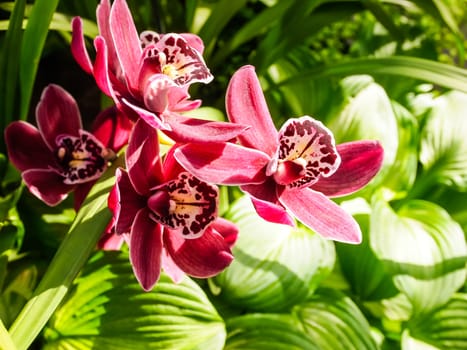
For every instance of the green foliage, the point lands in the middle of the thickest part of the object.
(387, 70)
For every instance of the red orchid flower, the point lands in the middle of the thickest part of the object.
(169, 217)
(148, 76)
(294, 170)
(59, 156)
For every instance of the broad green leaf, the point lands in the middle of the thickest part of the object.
(444, 328)
(403, 66)
(275, 266)
(5, 340)
(266, 332)
(443, 149)
(333, 321)
(423, 248)
(107, 309)
(364, 271)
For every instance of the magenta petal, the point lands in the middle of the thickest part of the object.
(227, 229)
(112, 128)
(246, 105)
(223, 163)
(142, 158)
(101, 67)
(126, 41)
(78, 47)
(124, 202)
(322, 215)
(360, 162)
(186, 130)
(194, 41)
(171, 269)
(146, 249)
(26, 148)
(150, 118)
(57, 114)
(103, 16)
(47, 185)
(202, 257)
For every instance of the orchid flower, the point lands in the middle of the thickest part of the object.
(59, 156)
(168, 216)
(291, 171)
(148, 76)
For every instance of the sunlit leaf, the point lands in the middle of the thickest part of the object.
(444, 328)
(107, 309)
(423, 248)
(275, 266)
(443, 150)
(265, 332)
(333, 321)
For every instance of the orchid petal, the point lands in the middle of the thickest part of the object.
(26, 148)
(246, 105)
(146, 250)
(78, 46)
(223, 163)
(227, 229)
(110, 241)
(142, 158)
(124, 202)
(101, 69)
(202, 257)
(47, 185)
(194, 41)
(171, 268)
(57, 114)
(322, 215)
(266, 203)
(126, 41)
(306, 152)
(186, 130)
(156, 93)
(185, 204)
(361, 161)
(112, 128)
(150, 118)
(103, 16)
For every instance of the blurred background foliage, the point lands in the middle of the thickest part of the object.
(391, 70)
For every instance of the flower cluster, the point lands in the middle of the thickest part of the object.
(165, 205)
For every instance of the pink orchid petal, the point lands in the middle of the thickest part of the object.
(194, 41)
(266, 203)
(156, 93)
(227, 229)
(223, 163)
(360, 162)
(246, 105)
(150, 118)
(101, 69)
(110, 241)
(202, 257)
(78, 46)
(322, 215)
(171, 167)
(142, 158)
(126, 41)
(57, 114)
(124, 202)
(171, 269)
(186, 130)
(47, 185)
(112, 128)
(26, 148)
(146, 250)
(103, 16)
(184, 105)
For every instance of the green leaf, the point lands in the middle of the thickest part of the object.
(423, 248)
(275, 266)
(5, 339)
(444, 328)
(266, 332)
(107, 309)
(31, 49)
(333, 321)
(443, 149)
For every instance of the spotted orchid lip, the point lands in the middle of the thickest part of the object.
(81, 158)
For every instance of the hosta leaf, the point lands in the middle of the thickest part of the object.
(443, 149)
(364, 271)
(444, 328)
(423, 248)
(333, 321)
(107, 309)
(275, 266)
(265, 332)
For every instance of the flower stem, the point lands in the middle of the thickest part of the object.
(72, 254)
